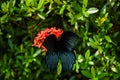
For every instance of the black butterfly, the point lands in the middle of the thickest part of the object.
(62, 49)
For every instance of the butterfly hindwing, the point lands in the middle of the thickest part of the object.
(68, 40)
(67, 59)
(51, 60)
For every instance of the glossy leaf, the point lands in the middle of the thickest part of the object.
(92, 10)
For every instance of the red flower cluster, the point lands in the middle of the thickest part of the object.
(41, 36)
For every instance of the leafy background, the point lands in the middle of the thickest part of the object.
(96, 22)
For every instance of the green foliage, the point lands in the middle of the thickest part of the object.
(96, 22)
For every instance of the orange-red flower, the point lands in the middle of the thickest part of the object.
(41, 36)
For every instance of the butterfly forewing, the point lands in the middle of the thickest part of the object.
(50, 42)
(68, 40)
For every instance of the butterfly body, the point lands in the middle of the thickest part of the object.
(60, 48)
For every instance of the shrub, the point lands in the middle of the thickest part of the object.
(96, 22)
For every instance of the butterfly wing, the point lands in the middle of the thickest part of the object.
(68, 40)
(51, 58)
(67, 43)
(67, 59)
(50, 42)
(65, 48)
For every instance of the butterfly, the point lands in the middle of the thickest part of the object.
(61, 48)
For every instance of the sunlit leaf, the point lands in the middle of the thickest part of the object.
(62, 9)
(4, 18)
(37, 53)
(92, 43)
(91, 62)
(87, 54)
(85, 2)
(4, 7)
(58, 1)
(92, 10)
(108, 39)
(40, 4)
(113, 68)
(59, 67)
(100, 49)
(80, 58)
(94, 79)
(103, 10)
(41, 16)
(76, 67)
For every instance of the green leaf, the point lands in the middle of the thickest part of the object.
(91, 62)
(80, 58)
(28, 2)
(76, 67)
(114, 69)
(85, 2)
(84, 65)
(21, 48)
(5, 59)
(37, 53)
(72, 78)
(116, 76)
(76, 6)
(93, 72)
(108, 39)
(94, 79)
(4, 7)
(41, 16)
(40, 4)
(4, 19)
(110, 25)
(100, 49)
(92, 10)
(58, 1)
(116, 34)
(59, 67)
(87, 54)
(86, 73)
(62, 9)
(101, 75)
(92, 43)
(35, 3)
(11, 6)
(10, 43)
(103, 10)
